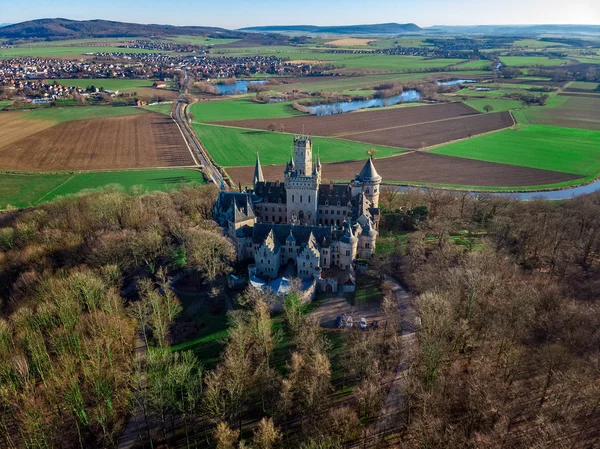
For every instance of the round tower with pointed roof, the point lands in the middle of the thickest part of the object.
(371, 182)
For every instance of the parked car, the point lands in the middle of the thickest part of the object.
(339, 322)
(349, 322)
(363, 323)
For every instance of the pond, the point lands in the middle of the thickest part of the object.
(455, 82)
(565, 194)
(239, 87)
(348, 106)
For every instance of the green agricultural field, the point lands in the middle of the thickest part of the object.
(113, 84)
(240, 109)
(60, 115)
(479, 64)
(584, 85)
(566, 150)
(589, 60)
(57, 51)
(342, 83)
(162, 108)
(231, 147)
(29, 189)
(497, 93)
(497, 104)
(199, 40)
(567, 111)
(535, 44)
(529, 61)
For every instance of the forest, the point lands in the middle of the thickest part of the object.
(507, 347)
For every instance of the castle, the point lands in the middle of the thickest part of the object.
(316, 230)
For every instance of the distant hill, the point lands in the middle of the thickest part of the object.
(58, 29)
(4, 24)
(514, 30)
(380, 28)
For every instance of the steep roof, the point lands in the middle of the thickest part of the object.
(271, 192)
(368, 173)
(258, 173)
(302, 234)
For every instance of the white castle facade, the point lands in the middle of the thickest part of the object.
(316, 230)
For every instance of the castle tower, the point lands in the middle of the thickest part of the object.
(371, 182)
(303, 155)
(301, 184)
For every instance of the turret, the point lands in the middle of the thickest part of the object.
(371, 182)
(258, 174)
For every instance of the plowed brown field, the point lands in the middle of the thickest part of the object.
(420, 167)
(13, 127)
(413, 128)
(133, 141)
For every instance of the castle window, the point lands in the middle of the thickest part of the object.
(326, 222)
(338, 212)
(273, 218)
(309, 200)
(307, 257)
(366, 245)
(292, 198)
(300, 198)
(347, 253)
(280, 219)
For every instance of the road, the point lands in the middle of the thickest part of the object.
(179, 115)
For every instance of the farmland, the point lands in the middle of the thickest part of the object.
(58, 50)
(566, 150)
(139, 140)
(424, 168)
(238, 146)
(29, 189)
(415, 127)
(568, 111)
(239, 109)
(61, 115)
(496, 104)
(527, 61)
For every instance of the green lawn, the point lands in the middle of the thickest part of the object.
(567, 150)
(497, 104)
(162, 108)
(231, 147)
(106, 83)
(60, 115)
(240, 109)
(528, 61)
(30, 189)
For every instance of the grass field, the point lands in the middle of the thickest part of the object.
(341, 83)
(528, 61)
(584, 85)
(231, 147)
(4, 103)
(534, 43)
(65, 50)
(199, 40)
(567, 111)
(24, 190)
(566, 150)
(162, 108)
(240, 109)
(112, 84)
(60, 115)
(497, 104)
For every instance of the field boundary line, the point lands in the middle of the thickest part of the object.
(38, 201)
(183, 137)
(432, 147)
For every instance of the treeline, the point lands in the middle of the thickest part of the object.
(510, 325)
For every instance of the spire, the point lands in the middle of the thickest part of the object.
(222, 184)
(258, 174)
(368, 173)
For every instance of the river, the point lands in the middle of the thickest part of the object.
(348, 106)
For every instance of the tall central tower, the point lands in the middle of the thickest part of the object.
(302, 184)
(303, 155)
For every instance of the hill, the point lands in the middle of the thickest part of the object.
(518, 30)
(380, 28)
(58, 29)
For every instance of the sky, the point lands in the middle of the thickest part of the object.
(240, 13)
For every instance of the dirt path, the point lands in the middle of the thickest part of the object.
(410, 323)
(130, 435)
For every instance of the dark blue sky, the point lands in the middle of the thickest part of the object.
(240, 13)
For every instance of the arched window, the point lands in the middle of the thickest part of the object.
(326, 222)
(273, 218)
